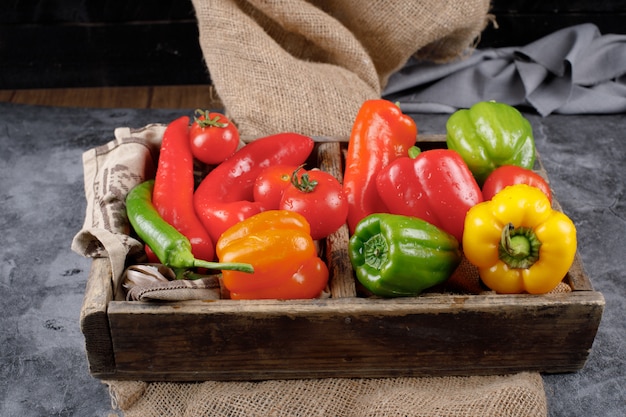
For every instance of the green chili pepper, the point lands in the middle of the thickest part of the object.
(489, 135)
(167, 243)
(395, 255)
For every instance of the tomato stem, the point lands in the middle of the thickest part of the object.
(203, 119)
(304, 183)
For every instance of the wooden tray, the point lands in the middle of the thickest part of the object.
(435, 334)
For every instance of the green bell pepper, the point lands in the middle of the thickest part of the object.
(395, 255)
(489, 135)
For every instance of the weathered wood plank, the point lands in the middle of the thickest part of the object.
(94, 321)
(185, 97)
(112, 97)
(429, 335)
(6, 95)
(341, 275)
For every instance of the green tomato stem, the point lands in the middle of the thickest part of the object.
(203, 120)
(304, 183)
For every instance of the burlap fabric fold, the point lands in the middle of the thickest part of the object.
(306, 66)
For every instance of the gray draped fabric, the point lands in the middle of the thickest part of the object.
(575, 70)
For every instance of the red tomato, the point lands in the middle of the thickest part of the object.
(213, 137)
(270, 185)
(319, 197)
(507, 175)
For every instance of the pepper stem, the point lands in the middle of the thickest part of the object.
(375, 251)
(414, 151)
(519, 248)
(230, 266)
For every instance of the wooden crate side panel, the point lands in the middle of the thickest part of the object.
(342, 283)
(94, 321)
(439, 335)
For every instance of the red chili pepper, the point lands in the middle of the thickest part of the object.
(174, 189)
(380, 134)
(436, 186)
(225, 196)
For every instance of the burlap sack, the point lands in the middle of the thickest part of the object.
(518, 395)
(307, 66)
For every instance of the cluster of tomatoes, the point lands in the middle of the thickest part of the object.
(317, 195)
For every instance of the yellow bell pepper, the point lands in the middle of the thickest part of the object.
(518, 242)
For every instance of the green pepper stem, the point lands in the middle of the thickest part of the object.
(519, 248)
(414, 151)
(376, 251)
(230, 266)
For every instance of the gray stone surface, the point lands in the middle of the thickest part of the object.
(43, 369)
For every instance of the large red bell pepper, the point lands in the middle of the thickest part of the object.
(436, 186)
(226, 195)
(380, 134)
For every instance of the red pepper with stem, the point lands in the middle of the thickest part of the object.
(380, 134)
(174, 189)
(226, 195)
(436, 186)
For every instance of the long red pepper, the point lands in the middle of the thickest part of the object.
(174, 189)
(380, 134)
(225, 196)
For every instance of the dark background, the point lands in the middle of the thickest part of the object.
(76, 43)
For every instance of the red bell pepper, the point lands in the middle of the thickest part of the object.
(226, 195)
(506, 175)
(380, 134)
(174, 188)
(436, 186)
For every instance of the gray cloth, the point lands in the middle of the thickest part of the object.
(575, 70)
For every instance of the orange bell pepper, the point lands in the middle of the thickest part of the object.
(279, 246)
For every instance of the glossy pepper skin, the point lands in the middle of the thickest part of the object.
(226, 195)
(436, 186)
(507, 175)
(278, 244)
(518, 242)
(489, 135)
(174, 188)
(168, 244)
(395, 256)
(380, 134)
